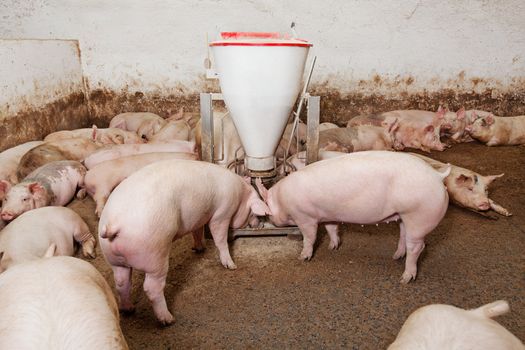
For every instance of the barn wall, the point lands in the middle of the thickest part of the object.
(41, 89)
(372, 55)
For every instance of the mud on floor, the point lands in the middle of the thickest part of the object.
(349, 298)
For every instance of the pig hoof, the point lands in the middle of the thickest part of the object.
(230, 265)
(166, 321)
(305, 257)
(398, 255)
(407, 277)
(81, 194)
(333, 245)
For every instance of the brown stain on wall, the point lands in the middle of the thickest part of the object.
(33, 123)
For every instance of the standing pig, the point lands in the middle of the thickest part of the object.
(10, 158)
(339, 190)
(107, 136)
(467, 188)
(58, 303)
(145, 124)
(70, 149)
(499, 131)
(30, 235)
(447, 327)
(170, 199)
(118, 151)
(53, 184)
(355, 139)
(104, 177)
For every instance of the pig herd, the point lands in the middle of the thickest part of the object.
(150, 189)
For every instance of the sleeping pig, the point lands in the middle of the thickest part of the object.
(339, 190)
(187, 195)
(30, 235)
(106, 136)
(52, 184)
(499, 131)
(356, 138)
(145, 124)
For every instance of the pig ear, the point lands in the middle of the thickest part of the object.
(35, 188)
(94, 132)
(394, 126)
(440, 114)
(50, 251)
(262, 190)
(491, 178)
(461, 113)
(118, 139)
(463, 180)
(120, 125)
(5, 186)
(440, 109)
(489, 120)
(429, 128)
(260, 208)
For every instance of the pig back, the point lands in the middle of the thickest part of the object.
(75, 307)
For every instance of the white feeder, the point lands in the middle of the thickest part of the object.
(260, 77)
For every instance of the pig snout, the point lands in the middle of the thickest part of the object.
(7, 216)
(468, 128)
(484, 205)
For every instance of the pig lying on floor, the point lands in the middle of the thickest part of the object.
(358, 138)
(145, 124)
(467, 188)
(363, 188)
(58, 303)
(442, 327)
(499, 131)
(30, 235)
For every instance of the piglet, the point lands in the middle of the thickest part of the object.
(145, 124)
(364, 188)
(53, 184)
(467, 188)
(172, 131)
(499, 131)
(58, 303)
(448, 327)
(104, 177)
(170, 199)
(10, 158)
(117, 151)
(30, 235)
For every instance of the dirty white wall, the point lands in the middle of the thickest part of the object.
(411, 45)
(36, 72)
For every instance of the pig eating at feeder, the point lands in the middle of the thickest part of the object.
(369, 187)
(188, 195)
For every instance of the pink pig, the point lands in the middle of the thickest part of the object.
(10, 158)
(106, 136)
(53, 184)
(145, 124)
(364, 188)
(499, 131)
(117, 151)
(104, 177)
(188, 195)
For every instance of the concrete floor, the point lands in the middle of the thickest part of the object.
(349, 298)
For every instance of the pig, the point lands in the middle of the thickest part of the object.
(30, 235)
(298, 160)
(187, 195)
(356, 138)
(53, 184)
(107, 136)
(227, 143)
(440, 327)
(58, 303)
(70, 149)
(416, 129)
(173, 130)
(467, 188)
(101, 179)
(327, 126)
(145, 124)
(118, 151)
(499, 131)
(339, 190)
(10, 158)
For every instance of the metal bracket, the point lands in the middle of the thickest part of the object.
(207, 142)
(312, 129)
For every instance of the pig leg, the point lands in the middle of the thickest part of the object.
(333, 233)
(154, 284)
(81, 194)
(415, 232)
(219, 232)
(198, 236)
(309, 231)
(100, 200)
(88, 242)
(499, 209)
(402, 244)
(122, 277)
